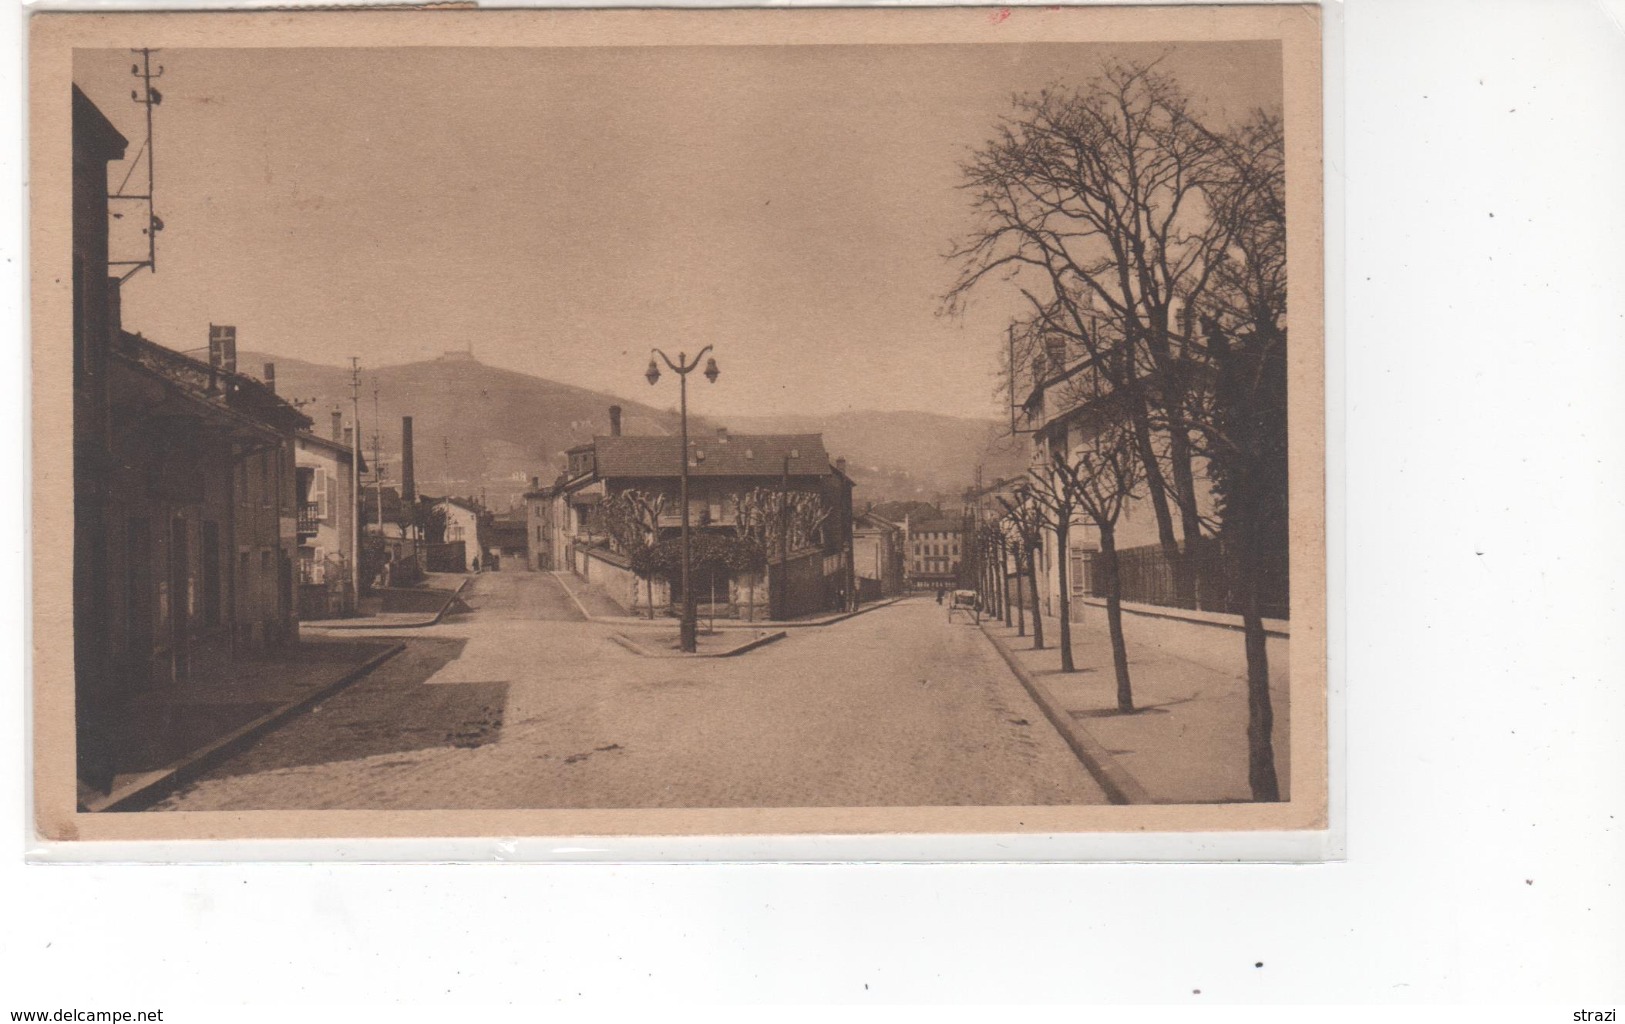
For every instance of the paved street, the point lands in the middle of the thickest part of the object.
(522, 703)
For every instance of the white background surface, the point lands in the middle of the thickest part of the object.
(1479, 504)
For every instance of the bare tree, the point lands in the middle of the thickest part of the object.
(988, 537)
(1094, 203)
(750, 527)
(1101, 474)
(1054, 496)
(632, 520)
(1010, 545)
(1026, 519)
(1243, 429)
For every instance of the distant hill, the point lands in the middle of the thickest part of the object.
(476, 428)
(480, 429)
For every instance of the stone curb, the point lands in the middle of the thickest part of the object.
(750, 645)
(1119, 785)
(149, 787)
(633, 622)
(329, 625)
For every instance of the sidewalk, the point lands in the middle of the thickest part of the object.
(1187, 740)
(170, 734)
(595, 603)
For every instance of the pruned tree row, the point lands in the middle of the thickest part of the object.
(1147, 245)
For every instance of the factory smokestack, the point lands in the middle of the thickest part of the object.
(614, 421)
(409, 489)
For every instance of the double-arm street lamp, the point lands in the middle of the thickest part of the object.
(686, 628)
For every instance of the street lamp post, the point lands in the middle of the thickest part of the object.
(686, 627)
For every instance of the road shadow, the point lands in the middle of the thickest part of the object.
(389, 712)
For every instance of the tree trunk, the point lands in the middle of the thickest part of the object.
(1114, 619)
(1157, 489)
(1032, 588)
(1005, 585)
(1260, 714)
(995, 584)
(1062, 538)
(649, 590)
(985, 553)
(1021, 600)
(1179, 457)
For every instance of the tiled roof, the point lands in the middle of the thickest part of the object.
(936, 526)
(243, 394)
(712, 455)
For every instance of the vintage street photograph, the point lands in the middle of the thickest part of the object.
(844, 413)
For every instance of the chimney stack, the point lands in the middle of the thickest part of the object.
(722, 434)
(338, 425)
(614, 421)
(270, 377)
(535, 483)
(348, 433)
(840, 466)
(409, 484)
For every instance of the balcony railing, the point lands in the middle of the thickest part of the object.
(309, 518)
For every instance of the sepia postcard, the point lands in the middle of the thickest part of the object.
(678, 423)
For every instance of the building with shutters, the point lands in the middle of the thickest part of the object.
(730, 476)
(325, 475)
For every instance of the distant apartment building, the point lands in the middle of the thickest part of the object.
(933, 548)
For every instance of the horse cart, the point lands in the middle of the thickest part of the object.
(966, 603)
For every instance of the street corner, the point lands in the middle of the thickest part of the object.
(718, 644)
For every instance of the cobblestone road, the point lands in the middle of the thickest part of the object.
(522, 703)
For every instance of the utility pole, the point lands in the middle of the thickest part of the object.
(377, 459)
(148, 96)
(355, 481)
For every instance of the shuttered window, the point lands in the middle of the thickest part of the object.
(319, 494)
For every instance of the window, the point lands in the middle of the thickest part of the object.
(319, 494)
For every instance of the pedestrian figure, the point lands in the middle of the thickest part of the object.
(939, 595)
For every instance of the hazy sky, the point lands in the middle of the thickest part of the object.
(562, 210)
